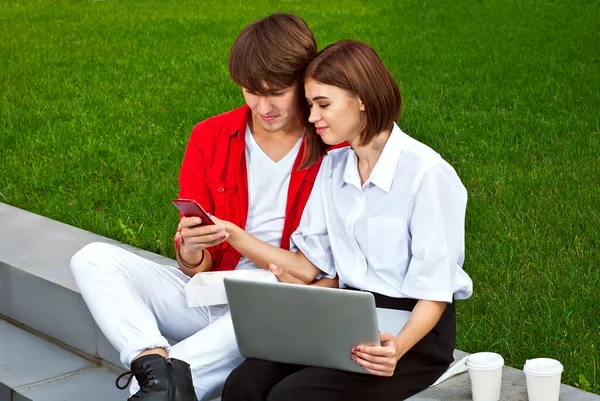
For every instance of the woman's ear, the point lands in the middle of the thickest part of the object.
(361, 105)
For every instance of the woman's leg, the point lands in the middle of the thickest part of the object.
(254, 379)
(335, 385)
(415, 371)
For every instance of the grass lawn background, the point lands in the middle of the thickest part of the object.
(97, 100)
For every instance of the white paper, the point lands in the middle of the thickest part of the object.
(207, 288)
(391, 320)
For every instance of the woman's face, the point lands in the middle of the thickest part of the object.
(337, 115)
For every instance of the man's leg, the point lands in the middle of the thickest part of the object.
(212, 354)
(134, 301)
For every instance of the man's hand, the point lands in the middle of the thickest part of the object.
(195, 237)
(192, 238)
(379, 360)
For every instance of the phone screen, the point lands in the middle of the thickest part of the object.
(191, 208)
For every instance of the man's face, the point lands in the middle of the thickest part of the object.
(276, 111)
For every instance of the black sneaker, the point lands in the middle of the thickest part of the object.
(160, 379)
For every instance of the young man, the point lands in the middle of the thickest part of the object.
(242, 166)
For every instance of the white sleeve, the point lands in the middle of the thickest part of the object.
(437, 225)
(311, 235)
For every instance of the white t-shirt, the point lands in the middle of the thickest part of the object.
(268, 183)
(400, 234)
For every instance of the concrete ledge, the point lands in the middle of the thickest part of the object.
(36, 285)
(38, 291)
(458, 388)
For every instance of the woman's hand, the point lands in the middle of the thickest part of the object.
(284, 276)
(223, 225)
(379, 360)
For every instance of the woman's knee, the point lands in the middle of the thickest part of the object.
(253, 380)
(287, 391)
(236, 384)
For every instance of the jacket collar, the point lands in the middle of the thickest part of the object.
(239, 122)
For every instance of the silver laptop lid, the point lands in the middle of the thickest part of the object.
(301, 324)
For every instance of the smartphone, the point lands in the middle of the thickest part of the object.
(191, 208)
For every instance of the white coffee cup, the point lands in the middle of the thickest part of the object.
(485, 372)
(543, 379)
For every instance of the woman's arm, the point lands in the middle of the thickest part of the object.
(381, 359)
(285, 277)
(264, 254)
(422, 320)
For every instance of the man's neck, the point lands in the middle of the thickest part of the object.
(290, 131)
(276, 144)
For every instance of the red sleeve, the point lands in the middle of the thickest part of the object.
(192, 176)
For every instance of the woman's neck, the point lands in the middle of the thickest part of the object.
(368, 155)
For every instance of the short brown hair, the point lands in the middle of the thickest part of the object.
(272, 53)
(356, 68)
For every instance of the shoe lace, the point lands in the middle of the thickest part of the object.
(146, 381)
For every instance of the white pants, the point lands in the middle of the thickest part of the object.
(137, 303)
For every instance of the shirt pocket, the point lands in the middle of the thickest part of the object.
(225, 199)
(388, 243)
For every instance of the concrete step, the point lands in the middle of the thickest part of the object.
(34, 369)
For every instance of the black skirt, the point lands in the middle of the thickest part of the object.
(437, 346)
(421, 366)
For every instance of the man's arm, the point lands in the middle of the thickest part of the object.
(187, 268)
(193, 242)
(192, 185)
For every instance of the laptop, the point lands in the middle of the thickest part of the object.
(301, 324)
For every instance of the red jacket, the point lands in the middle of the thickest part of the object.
(214, 174)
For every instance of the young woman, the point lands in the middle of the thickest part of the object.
(386, 215)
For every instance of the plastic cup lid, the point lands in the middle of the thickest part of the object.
(542, 367)
(485, 361)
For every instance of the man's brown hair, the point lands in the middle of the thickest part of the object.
(272, 54)
(356, 68)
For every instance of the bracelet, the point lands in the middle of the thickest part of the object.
(184, 263)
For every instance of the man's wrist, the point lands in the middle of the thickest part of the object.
(186, 263)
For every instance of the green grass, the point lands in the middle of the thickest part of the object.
(97, 100)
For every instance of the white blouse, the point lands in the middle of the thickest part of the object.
(401, 234)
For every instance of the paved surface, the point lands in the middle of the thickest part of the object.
(38, 291)
(32, 368)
